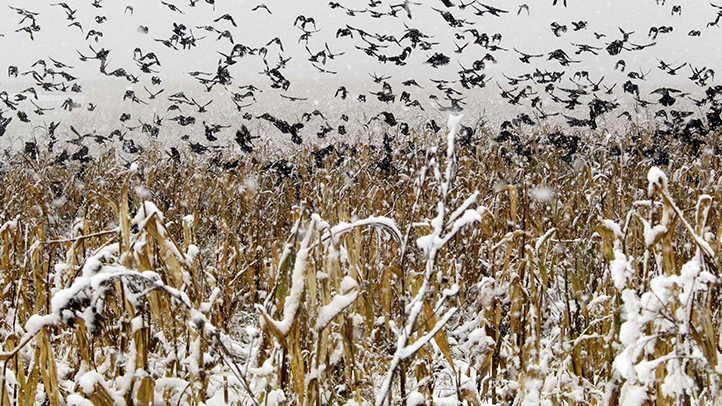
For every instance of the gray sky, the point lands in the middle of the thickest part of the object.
(528, 33)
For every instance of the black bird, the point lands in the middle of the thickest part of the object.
(586, 48)
(386, 94)
(496, 12)
(293, 99)
(579, 25)
(59, 65)
(323, 70)
(525, 57)
(95, 34)
(244, 139)
(152, 95)
(201, 109)
(4, 122)
(276, 41)
(450, 19)
(561, 57)
(198, 148)
(460, 49)
(668, 68)
(284, 127)
(666, 99)
(379, 79)
(411, 82)
(261, 6)
(558, 29)
(226, 17)
(172, 7)
(718, 17)
(69, 11)
(212, 129)
(438, 59)
(301, 22)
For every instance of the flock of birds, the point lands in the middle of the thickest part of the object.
(566, 91)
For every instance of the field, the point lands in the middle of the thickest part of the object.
(523, 268)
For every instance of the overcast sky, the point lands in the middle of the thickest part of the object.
(529, 33)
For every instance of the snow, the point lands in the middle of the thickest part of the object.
(334, 308)
(36, 323)
(542, 194)
(630, 331)
(266, 369)
(415, 399)
(620, 270)
(347, 283)
(77, 400)
(651, 234)
(614, 227)
(275, 397)
(599, 300)
(10, 225)
(145, 213)
(633, 395)
(192, 252)
(387, 224)
(453, 124)
(657, 180)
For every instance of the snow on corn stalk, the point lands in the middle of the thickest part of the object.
(305, 304)
(444, 227)
(667, 329)
(139, 301)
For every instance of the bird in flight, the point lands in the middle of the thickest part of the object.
(172, 7)
(261, 6)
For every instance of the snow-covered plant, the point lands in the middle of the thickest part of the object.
(115, 304)
(570, 265)
(445, 225)
(669, 348)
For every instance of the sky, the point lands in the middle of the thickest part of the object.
(529, 33)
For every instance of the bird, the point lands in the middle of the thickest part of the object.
(292, 98)
(525, 58)
(152, 95)
(496, 12)
(261, 6)
(226, 17)
(558, 29)
(70, 13)
(172, 7)
(438, 59)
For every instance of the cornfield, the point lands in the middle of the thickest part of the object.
(543, 268)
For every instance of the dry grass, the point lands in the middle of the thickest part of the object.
(539, 315)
